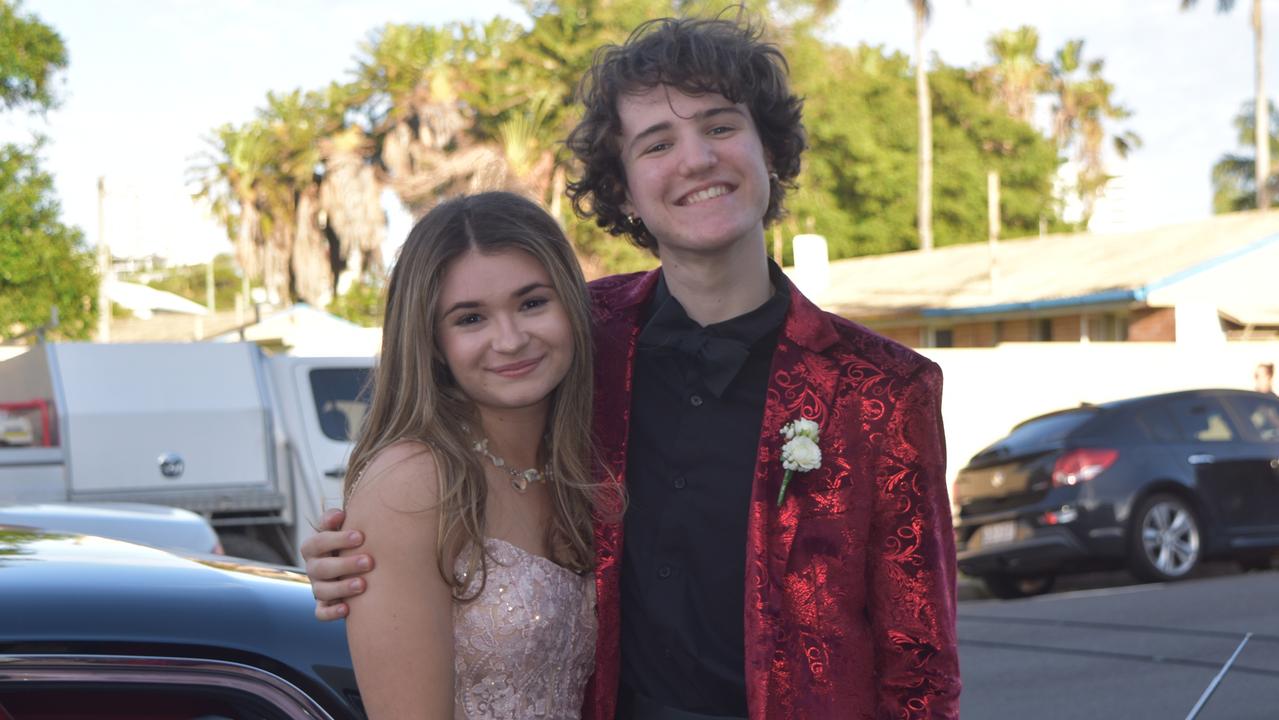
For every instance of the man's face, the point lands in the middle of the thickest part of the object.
(1262, 380)
(696, 171)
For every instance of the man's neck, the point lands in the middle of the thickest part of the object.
(716, 288)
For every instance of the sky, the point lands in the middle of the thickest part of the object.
(149, 79)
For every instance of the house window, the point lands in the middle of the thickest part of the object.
(944, 338)
(1044, 329)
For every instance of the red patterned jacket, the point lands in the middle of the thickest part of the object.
(850, 585)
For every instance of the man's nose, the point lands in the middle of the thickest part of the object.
(697, 156)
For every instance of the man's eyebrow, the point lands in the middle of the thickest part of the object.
(666, 125)
(472, 304)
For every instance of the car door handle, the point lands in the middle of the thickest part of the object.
(1201, 459)
(336, 472)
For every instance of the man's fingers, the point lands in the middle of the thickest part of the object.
(325, 612)
(333, 519)
(331, 541)
(337, 591)
(329, 568)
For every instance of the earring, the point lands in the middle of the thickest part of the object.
(773, 176)
(634, 221)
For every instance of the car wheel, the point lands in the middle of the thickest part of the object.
(1011, 587)
(243, 546)
(1164, 542)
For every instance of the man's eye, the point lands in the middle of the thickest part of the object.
(721, 129)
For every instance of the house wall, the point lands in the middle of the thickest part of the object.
(1022, 330)
(1102, 326)
(988, 390)
(1152, 325)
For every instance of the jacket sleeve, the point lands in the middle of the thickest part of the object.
(912, 560)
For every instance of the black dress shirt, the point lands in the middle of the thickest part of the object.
(697, 405)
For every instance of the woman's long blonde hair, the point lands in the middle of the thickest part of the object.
(416, 399)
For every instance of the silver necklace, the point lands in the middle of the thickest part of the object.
(520, 479)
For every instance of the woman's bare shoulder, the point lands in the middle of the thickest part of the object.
(402, 476)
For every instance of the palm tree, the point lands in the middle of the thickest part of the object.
(1082, 109)
(923, 10)
(1261, 167)
(1018, 75)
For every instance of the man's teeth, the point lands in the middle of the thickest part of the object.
(707, 194)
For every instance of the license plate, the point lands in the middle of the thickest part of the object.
(998, 533)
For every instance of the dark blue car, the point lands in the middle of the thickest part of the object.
(97, 628)
(1155, 484)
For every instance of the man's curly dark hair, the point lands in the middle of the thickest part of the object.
(696, 56)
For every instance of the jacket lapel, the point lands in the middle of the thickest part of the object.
(801, 385)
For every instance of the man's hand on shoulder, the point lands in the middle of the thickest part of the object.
(334, 578)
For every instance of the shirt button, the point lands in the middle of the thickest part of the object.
(695, 401)
(664, 571)
(679, 483)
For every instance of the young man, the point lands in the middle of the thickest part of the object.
(723, 592)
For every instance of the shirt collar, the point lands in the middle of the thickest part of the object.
(722, 348)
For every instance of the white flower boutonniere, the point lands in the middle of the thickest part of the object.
(800, 453)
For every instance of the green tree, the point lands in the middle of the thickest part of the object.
(859, 182)
(31, 56)
(43, 263)
(1234, 175)
(1261, 148)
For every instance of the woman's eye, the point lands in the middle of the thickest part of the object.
(534, 303)
(721, 129)
(656, 148)
(467, 319)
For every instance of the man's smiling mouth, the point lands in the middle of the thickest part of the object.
(709, 193)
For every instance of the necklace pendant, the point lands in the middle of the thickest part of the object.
(520, 482)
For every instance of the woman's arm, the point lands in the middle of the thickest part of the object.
(401, 629)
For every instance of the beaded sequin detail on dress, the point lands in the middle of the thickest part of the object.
(526, 646)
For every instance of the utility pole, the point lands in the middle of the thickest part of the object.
(208, 287)
(104, 267)
(993, 218)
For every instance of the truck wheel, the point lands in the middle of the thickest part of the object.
(243, 546)
(1163, 541)
(1010, 587)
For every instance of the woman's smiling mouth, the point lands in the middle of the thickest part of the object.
(517, 369)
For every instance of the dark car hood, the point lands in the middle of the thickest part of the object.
(80, 593)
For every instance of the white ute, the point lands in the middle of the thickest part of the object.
(256, 443)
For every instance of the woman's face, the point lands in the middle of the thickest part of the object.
(504, 333)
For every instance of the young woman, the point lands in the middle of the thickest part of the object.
(471, 477)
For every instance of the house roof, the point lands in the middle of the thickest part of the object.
(1043, 273)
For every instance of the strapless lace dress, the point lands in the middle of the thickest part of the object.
(526, 646)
